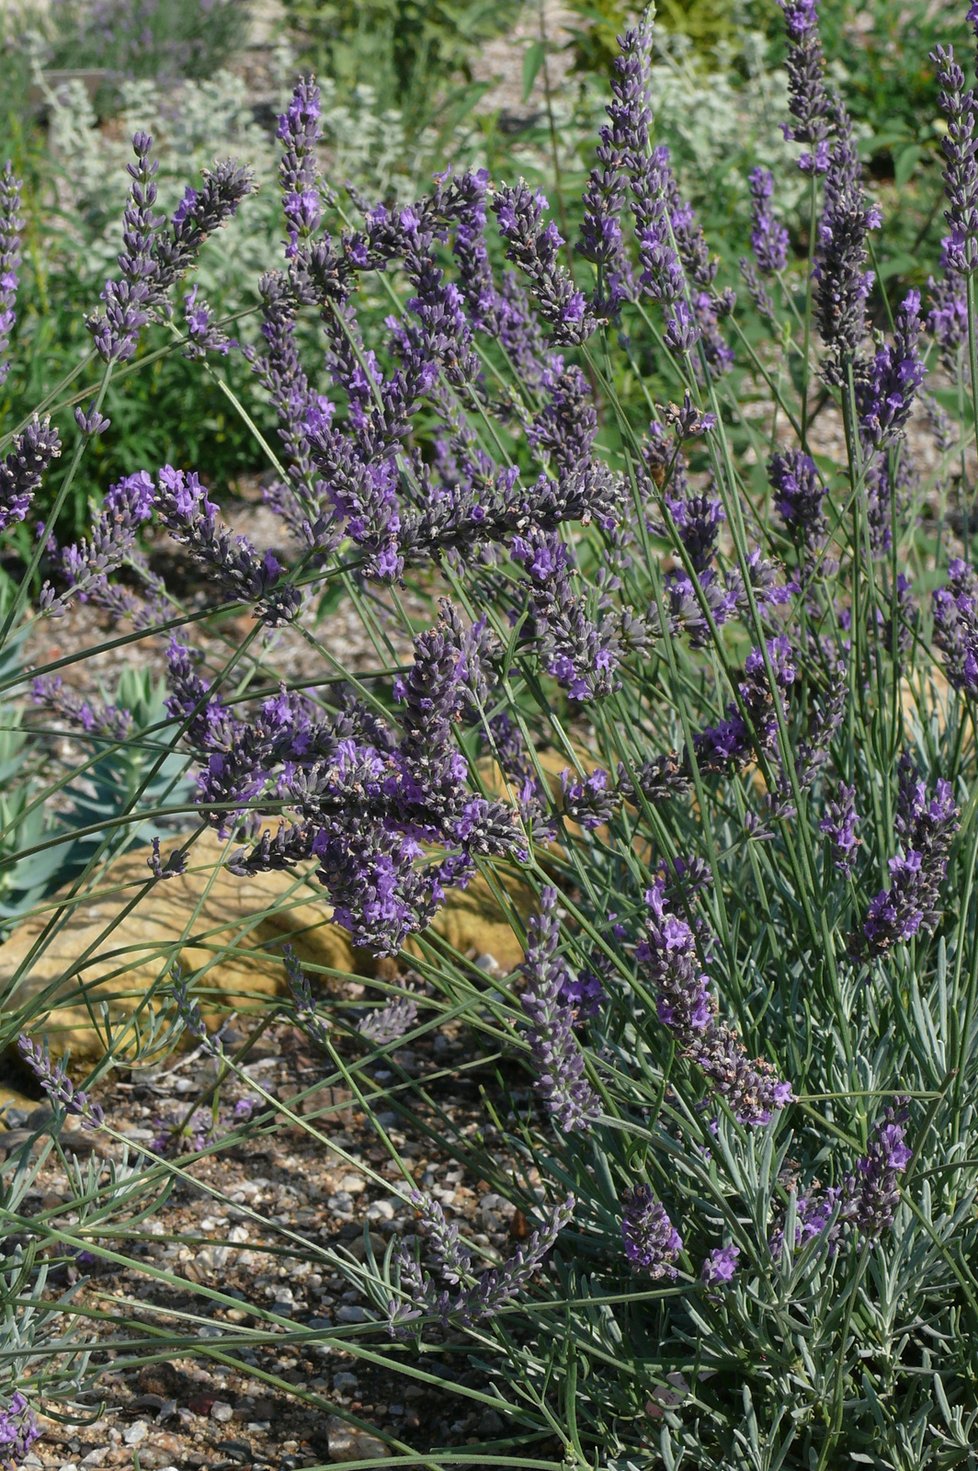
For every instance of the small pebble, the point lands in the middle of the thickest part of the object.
(349, 1443)
(221, 1410)
(349, 1312)
(135, 1433)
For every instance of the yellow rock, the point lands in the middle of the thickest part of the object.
(90, 982)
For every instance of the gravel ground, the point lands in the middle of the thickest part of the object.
(187, 1413)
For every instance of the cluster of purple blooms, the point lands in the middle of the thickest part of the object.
(382, 809)
(548, 1000)
(926, 827)
(18, 1432)
(866, 1201)
(54, 1079)
(956, 625)
(386, 818)
(686, 1005)
(11, 225)
(177, 1133)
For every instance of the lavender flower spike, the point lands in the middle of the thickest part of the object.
(871, 1193)
(154, 260)
(912, 902)
(18, 1432)
(22, 469)
(298, 128)
(57, 1085)
(885, 396)
(191, 519)
(839, 825)
(751, 1089)
(11, 225)
(127, 299)
(651, 1241)
(956, 625)
(557, 1057)
(534, 248)
(960, 147)
(808, 100)
(769, 238)
(842, 282)
(483, 1299)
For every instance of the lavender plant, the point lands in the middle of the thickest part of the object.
(685, 692)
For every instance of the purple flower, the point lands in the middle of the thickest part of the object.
(602, 239)
(960, 147)
(175, 864)
(750, 722)
(153, 260)
(57, 1085)
(799, 493)
(244, 574)
(86, 565)
(912, 902)
(808, 100)
(590, 800)
(298, 129)
(839, 825)
(751, 1089)
(368, 805)
(22, 468)
(720, 1266)
(91, 421)
(203, 335)
(885, 393)
(558, 1061)
(769, 238)
(110, 722)
(18, 1432)
(535, 249)
(871, 1194)
(11, 225)
(651, 1241)
(956, 625)
(842, 282)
